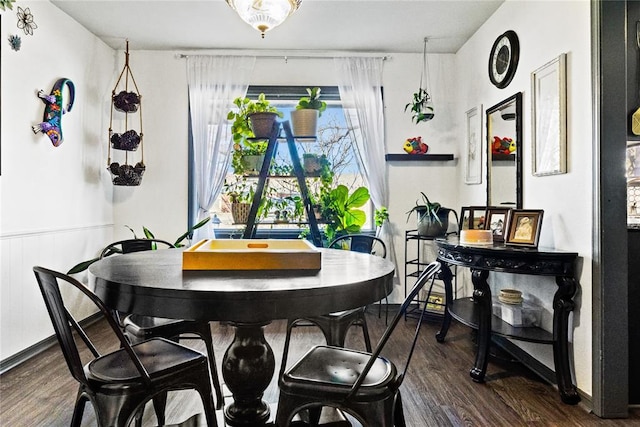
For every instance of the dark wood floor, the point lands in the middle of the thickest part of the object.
(437, 391)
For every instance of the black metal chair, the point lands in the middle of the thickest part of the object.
(335, 326)
(119, 383)
(365, 385)
(139, 328)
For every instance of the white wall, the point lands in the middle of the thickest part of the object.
(566, 199)
(55, 201)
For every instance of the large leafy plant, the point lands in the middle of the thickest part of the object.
(341, 210)
(147, 235)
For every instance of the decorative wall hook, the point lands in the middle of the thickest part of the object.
(51, 124)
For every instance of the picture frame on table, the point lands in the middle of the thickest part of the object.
(472, 217)
(497, 221)
(473, 146)
(524, 227)
(549, 118)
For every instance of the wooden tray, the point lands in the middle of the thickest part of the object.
(252, 254)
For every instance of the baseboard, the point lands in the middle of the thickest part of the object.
(37, 348)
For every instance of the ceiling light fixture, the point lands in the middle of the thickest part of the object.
(263, 15)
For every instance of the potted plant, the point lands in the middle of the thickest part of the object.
(313, 164)
(252, 125)
(304, 119)
(421, 106)
(380, 216)
(340, 210)
(433, 219)
(240, 195)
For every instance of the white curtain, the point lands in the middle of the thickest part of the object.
(214, 82)
(360, 85)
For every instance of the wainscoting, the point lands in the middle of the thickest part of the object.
(24, 323)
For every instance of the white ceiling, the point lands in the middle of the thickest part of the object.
(319, 25)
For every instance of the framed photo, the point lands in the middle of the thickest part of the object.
(436, 303)
(473, 143)
(549, 118)
(524, 227)
(497, 221)
(472, 217)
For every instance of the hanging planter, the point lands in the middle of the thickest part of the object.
(422, 109)
(124, 103)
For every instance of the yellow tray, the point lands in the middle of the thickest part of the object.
(252, 254)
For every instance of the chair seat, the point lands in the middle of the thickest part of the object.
(147, 326)
(342, 314)
(159, 356)
(334, 370)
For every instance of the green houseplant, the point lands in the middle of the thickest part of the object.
(421, 106)
(304, 119)
(147, 235)
(240, 194)
(433, 218)
(244, 133)
(340, 210)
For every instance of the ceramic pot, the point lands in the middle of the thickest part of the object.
(252, 164)
(428, 226)
(262, 124)
(304, 122)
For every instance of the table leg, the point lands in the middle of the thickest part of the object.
(482, 299)
(562, 306)
(446, 275)
(247, 368)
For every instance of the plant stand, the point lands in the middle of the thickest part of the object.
(272, 147)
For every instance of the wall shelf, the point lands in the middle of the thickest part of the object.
(418, 157)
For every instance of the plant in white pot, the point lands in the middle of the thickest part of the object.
(240, 194)
(304, 119)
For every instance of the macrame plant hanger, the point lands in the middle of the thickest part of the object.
(428, 109)
(126, 102)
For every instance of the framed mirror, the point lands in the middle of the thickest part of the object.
(504, 157)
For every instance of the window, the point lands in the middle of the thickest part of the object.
(281, 212)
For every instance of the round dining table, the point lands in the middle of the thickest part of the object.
(153, 283)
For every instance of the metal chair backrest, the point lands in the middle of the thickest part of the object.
(364, 243)
(133, 245)
(63, 322)
(425, 277)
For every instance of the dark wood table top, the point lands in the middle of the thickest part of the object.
(153, 283)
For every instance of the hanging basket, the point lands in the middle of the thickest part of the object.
(124, 103)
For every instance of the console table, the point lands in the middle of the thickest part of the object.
(477, 313)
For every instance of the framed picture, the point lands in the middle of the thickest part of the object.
(472, 217)
(473, 143)
(497, 221)
(549, 118)
(524, 227)
(436, 303)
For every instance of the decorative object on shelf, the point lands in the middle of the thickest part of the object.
(7, 4)
(549, 118)
(503, 59)
(15, 42)
(510, 296)
(524, 227)
(126, 101)
(433, 219)
(264, 15)
(25, 21)
(244, 138)
(415, 146)
(473, 158)
(304, 119)
(51, 124)
(422, 109)
(476, 237)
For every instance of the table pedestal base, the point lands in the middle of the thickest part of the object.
(247, 368)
